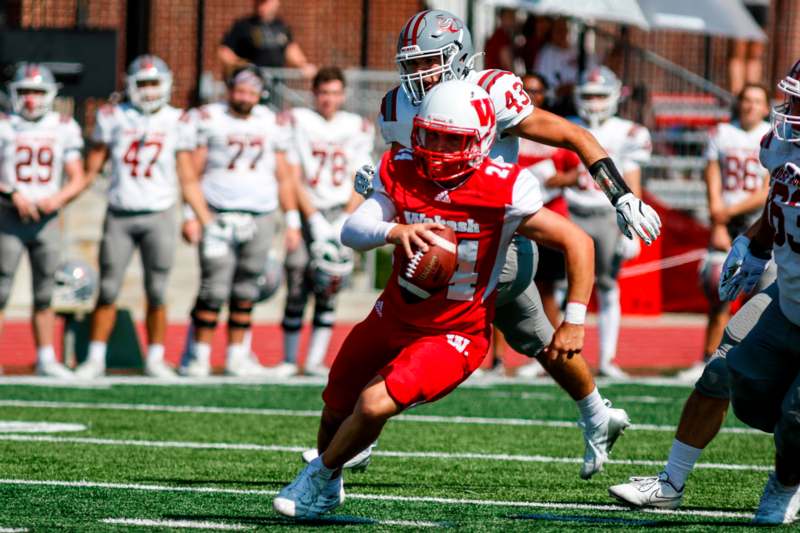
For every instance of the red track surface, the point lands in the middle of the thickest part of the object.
(646, 348)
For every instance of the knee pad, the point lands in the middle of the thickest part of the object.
(156, 287)
(753, 403)
(201, 306)
(715, 381)
(239, 307)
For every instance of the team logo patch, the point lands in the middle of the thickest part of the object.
(443, 197)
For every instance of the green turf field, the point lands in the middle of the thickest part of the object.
(501, 457)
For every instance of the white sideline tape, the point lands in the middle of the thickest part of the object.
(436, 419)
(183, 524)
(662, 264)
(13, 530)
(188, 445)
(378, 497)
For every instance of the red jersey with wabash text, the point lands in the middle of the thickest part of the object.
(484, 211)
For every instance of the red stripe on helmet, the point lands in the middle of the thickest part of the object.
(394, 103)
(407, 27)
(416, 26)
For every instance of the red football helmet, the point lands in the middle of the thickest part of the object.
(453, 131)
(786, 117)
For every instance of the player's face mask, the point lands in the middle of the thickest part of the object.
(419, 72)
(444, 152)
(786, 119)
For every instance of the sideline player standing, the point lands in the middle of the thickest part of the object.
(436, 46)
(327, 146)
(36, 145)
(404, 354)
(737, 187)
(628, 144)
(241, 150)
(148, 143)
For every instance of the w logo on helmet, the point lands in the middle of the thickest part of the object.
(448, 24)
(485, 110)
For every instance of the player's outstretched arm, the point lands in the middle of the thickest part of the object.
(555, 231)
(633, 215)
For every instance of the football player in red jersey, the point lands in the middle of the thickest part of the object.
(404, 353)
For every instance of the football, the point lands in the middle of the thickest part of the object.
(427, 272)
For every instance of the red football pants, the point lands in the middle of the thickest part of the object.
(417, 366)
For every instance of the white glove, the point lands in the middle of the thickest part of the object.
(634, 214)
(741, 270)
(363, 180)
(628, 248)
(321, 229)
(217, 236)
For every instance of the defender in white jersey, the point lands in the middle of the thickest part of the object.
(736, 186)
(37, 145)
(241, 150)
(755, 375)
(435, 45)
(327, 146)
(628, 145)
(148, 143)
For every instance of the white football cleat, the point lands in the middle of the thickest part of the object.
(612, 371)
(533, 369)
(193, 366)
(691, 374)
(310, 494)
(281, 371)
(599, 440)
(90, 369)
(654, 491)
(779, 504)
(54, 369)
(359, 463)
(157, 368)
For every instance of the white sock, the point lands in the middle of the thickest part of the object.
(97, 352)
(682, 458)
(45, 354)
(202, 352)
(608, 324)
(155, 353)
(237, 352)
(318, 346)
(291, 344)
(593, 409)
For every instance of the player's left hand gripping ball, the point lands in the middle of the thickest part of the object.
(635, 215)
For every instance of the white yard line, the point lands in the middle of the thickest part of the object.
(436, 419)
(377, 497)
(182, 524)
(188, 445)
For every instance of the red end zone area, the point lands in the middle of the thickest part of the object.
(647, 348)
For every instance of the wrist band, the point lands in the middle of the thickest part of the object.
(575, 313)
(607, 177)
(292, 218)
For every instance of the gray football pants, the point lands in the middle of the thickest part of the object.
(234, 275)
(155, 234)
(601, 226)
(518, 311)
(765, 378)
(42, 242)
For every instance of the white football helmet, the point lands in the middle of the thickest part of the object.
(271, 278)
(786, 116)
(33, 89)
(331, 266)
(76, 282)
(453, 131)
(433, 34)
(149, 83)
(597, 95)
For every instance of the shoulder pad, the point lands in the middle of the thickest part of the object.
(490, 77)
(389, 105)
(204, 112)
(186, 116)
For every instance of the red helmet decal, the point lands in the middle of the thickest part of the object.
(448, 24)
